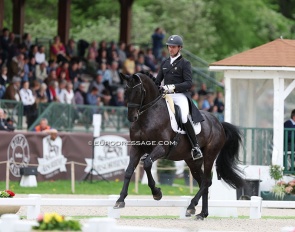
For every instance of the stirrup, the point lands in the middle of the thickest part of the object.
(196, 153)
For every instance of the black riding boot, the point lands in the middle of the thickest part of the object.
(196, 151)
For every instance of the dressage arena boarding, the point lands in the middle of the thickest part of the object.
(142, 213)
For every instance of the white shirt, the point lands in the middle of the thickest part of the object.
(66, 96)
(27, 96)
(172, 59)
(40, 57)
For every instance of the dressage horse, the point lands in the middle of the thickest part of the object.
(150, 121)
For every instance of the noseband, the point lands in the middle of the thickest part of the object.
(141, 108)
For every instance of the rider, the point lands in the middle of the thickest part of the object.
(177, 74)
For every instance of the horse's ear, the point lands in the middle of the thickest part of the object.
(124, 77)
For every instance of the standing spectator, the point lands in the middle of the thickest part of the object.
(41, 72)
(4, 44)
(12, 91)
(290, 124)
(3, 81)
(40, 54)
(157, 39)
(58, 50)
(27, 41)
(219, 102)
(28, 100)
(71, 49)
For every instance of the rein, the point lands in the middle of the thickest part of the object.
(142, 108)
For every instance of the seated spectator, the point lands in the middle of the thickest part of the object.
(97, 83)
(67, 94)
(80, 94)
(64, 67)
(290, 124)
(129, 65)
(195, 98)
(59, 89)
(118, 99)
(52, 65)
(51, 77)
(92, 50)
(27, 41)
(41, 72)
(3, 81)
(17, 66)
(93, 97)
(33, 50)
(40, 55)
(203, 91)
(12, 91)
(50, 92)
(43, 126)
(4, 125)
(122, 53)
(116, 80)
(41, 96)
(106, 74)
(26, 70)
(140, 65)
(58, 51)
(32, 69)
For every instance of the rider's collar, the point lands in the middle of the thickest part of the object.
(172, 59)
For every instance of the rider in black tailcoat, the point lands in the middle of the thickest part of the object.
(178, 79)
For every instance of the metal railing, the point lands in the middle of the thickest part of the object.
(14, 110)
(289, 146)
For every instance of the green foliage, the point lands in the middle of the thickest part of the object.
(167, 165)
(276, 172)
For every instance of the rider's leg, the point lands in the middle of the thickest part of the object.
(181, 100)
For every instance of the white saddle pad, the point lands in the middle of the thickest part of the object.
(174, 124)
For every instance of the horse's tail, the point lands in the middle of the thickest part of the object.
(228, 159)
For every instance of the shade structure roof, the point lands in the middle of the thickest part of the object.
(278, 53)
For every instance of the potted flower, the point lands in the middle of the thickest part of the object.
(166, 171)
(281, 190)
(4, 209)
(54, 222)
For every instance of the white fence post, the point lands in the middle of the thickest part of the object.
(255, 207)
(100, 225)
(113, 213)
(34, 210)
(7, 222)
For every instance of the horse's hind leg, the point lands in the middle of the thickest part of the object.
(134, 160)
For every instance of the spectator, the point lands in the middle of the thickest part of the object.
(58, 51)
(52, 65)
(195, 98)
(40, 55)
(97, 83)
(290, 124)
(116, 80)
(122, 53)
(17, 66)
(102, 57)
(50, 92)
(4, 44)
(106, 74)
(41, 96)
(93, 97)
(92, 50)
(26, 69)
(51, 77)
(118, 99)
(140, 65)
(71, 49)
(67, 94)
(3, 81)
(27, 41)
(59, 89)
(33, 50)
(32, 69)
(43, 126)
(28, 100)
(64, 67)
(12, 91)
(203, 91)
(4, 125)
(41, 72)
(157, 39)
(80, 94)
(219, 102)
(74, 73)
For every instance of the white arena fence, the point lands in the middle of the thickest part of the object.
(34, 202)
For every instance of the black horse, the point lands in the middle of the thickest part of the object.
(148, 113)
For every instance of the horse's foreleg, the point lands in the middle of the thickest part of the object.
(147, 165)
(204, 213)
(134, 160)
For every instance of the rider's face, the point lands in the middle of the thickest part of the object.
(173, 50)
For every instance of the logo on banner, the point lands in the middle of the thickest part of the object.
(110, 156)
(18, 154)
(53, 160)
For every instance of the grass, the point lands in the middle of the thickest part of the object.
(96, 188)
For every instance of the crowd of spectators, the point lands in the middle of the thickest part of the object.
(30, 76)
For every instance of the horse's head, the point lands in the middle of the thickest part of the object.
(139, 90)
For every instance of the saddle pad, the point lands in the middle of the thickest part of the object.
(173, 122)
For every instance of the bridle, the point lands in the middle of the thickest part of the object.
(141, 108)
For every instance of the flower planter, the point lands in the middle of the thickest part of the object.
(9, 209)
(269, 196)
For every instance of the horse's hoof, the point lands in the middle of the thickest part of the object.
(119, 205)
(199, 217)
(190, 212)
(158, 196)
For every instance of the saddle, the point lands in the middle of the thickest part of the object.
(175, 117)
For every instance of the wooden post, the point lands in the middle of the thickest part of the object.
(7, 175)
(73, 176)
(125, 20)
(137, 173)
(64, 12)
(191, 185)
(18, 14)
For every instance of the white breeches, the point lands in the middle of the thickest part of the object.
(181, 100)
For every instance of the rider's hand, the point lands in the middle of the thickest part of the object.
(168, 88)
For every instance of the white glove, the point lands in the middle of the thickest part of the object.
(168, 88)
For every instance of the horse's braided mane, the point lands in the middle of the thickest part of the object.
(149, 75)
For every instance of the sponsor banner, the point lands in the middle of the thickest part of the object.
(52, 154)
